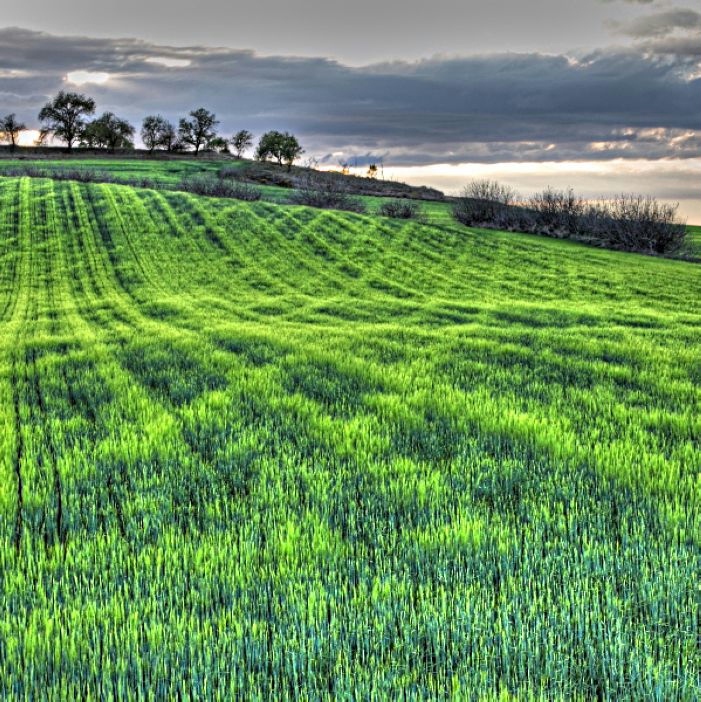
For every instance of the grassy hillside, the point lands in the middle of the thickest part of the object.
(276, 453)
(272, 180)
(168, 172)
(147, 171)
(695, 240)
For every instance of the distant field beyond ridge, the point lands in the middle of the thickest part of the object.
(267, 452)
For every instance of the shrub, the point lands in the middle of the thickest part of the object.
(556, 212)
(219, 188)
(326, 193)
(28, 171)
(483, 202)
(628, 222)
(259, 173)
(634, 223)
(400, 209)
(229, 172)
(143, 183)
(82, 175)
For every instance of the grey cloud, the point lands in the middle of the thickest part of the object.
(361, 32)
(481, 108)
(678, 46)
(660, 24)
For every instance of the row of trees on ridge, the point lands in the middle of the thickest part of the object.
(65, 118)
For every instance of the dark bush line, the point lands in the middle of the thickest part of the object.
(635, 223)
(297, 177)
(260, 175)
(325, 193)
(400, 209)
(233, 172)
(219, 188)
(628, 222)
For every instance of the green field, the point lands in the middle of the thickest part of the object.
(169, 172)
(695, 240)
(250, 451)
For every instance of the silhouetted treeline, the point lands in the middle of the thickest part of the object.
(66, 119)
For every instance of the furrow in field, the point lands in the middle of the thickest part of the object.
(228, 274)
(170, 253)
(403, 266)
(92, 384)
(17, 328)
(53, 323)
(138, 363)
(182, 257)
(9, 214)
(106, 300)
(117, 322)
(252, 265)
(291, 237)
(41, 512)
(18, 458)
(115, 273)
(55, 389)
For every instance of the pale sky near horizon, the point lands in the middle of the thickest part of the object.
(608, 90)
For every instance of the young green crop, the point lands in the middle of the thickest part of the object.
(250, 451)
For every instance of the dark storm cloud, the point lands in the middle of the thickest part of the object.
(660, 24)
(482, 108)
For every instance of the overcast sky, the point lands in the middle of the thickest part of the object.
(551, 85)
(358, 32)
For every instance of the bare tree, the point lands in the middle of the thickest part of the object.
(43, 135)
(557, 212)
(10, 129)
(199, 130)
(64, 116)
(483, 202)
(634, 223)
(169, 138)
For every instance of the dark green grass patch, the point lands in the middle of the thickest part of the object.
(171, 373)
(338, 390)
(258, 352)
